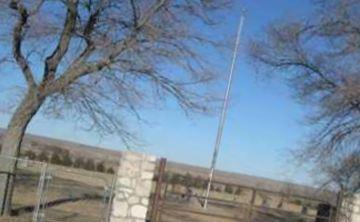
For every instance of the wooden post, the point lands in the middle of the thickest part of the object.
(157, 196)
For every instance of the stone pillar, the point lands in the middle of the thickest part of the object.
(133, 187)
(351, 209)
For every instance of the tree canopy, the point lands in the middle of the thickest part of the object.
(319, 58)
(97, 61)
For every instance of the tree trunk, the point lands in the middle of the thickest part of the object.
(11, 144)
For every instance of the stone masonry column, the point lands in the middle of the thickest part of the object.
(351, 209)
(133, 187)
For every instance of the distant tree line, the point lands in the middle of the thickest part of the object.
(64, 158)
(198, 182)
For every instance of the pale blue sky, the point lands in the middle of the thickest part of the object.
(263, 120)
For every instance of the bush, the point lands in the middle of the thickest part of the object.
(55, 159)
(187, 180)
(66, 160)
(297, 202)
(79, 162)
(229, 189)
(167, 177)
(100, 167)
(175, 179)
(110, 171)
(89, 165)
(205, 184)
(43, 157)
(30, 154)
(238, 191)
(198, 182)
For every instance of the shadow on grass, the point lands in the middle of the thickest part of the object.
(31, 208)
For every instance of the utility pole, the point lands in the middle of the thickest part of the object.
(224, 110)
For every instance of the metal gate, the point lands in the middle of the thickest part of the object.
(46, 192)
(181, 199)
(75, 195)
(28, 190)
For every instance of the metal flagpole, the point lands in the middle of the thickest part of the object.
(224, 110)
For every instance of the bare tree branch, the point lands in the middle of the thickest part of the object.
(320, 59)
(18, 33)
(52, 61)
(79, 69)
(122, 45)
(110, 59)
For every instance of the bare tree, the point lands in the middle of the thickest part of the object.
(345, 173)
(96, 60)
(319, 57)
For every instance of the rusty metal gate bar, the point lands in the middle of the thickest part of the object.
(158, 189)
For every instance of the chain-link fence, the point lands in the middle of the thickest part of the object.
(46, 192)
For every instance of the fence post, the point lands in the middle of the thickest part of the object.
(252, 202)
(110, 198)
(157, 196)
(37, 216)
